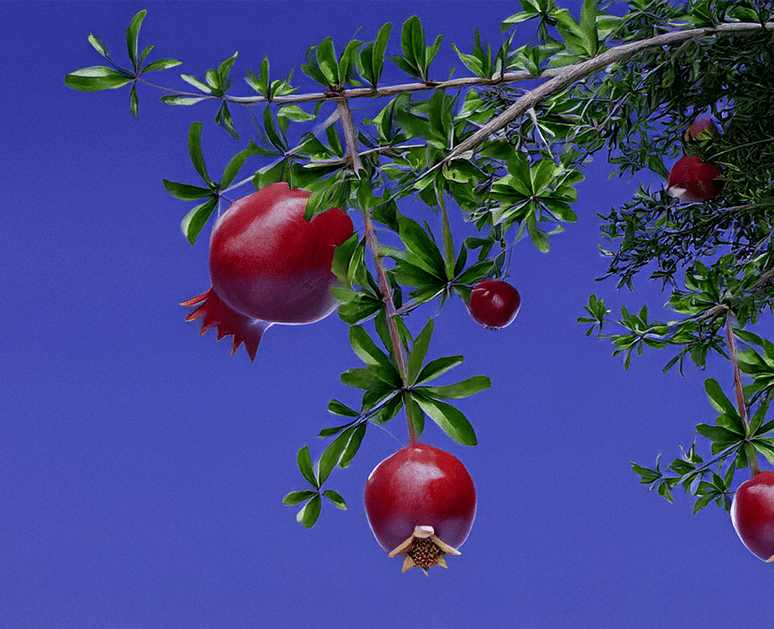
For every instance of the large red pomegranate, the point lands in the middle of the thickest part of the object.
(752, 513)
(269, 265)
(420, 503)
(694, 181)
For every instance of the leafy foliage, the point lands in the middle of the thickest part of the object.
(509, 160)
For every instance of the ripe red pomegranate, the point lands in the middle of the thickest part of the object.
(494, 303)
(752, 513)
(420, 503)
(694, 181)
(269, 265)
(702, 129)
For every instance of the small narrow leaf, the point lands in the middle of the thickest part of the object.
(450, 419)
(306, 468)
(419, 351)
(193, 222)
(297, 497)
(336, 500)
(96, 79)
(310, 513)
(195, 151)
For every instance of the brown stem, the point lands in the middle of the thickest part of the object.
(569, 75)
(740, 402)
(372, 240)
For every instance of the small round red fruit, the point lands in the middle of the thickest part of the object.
(494, 303)
(752, 513)
(420, 503)
(694, 181)
(702, 129)
(269, 265)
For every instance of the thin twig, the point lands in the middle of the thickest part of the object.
(401, 360)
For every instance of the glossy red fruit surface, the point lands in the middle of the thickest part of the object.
(694, 181)
(752, 513)
(494, 303)
(269, 265)
(420, 496)
(701, 129)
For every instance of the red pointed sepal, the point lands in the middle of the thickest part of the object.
(214, 312)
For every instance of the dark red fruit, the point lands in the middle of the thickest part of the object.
(269, 265)
(420, 504)
(494, 303)
(694, 181)
(752, 513)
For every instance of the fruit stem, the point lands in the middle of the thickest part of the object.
(381, 275)
(740, 403)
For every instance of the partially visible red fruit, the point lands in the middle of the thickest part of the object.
(694, 181)
(269, 265)
(494, 303)
(752, 513)
(702, 129)
(420, 504)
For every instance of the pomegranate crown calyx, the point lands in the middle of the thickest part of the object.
(424, 549)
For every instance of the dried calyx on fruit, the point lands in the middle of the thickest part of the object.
(420, 503)
(269, 265)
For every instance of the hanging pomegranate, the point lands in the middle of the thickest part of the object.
(269, 265)
(752, 514)
(694, 181)
(420, 503)
(494, 303)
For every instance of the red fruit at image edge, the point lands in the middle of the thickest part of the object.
(752, 514)
(420, 503)
(269, 265)
(694, 181)
(494, 303)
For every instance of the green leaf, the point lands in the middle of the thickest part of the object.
(99, 46)
(459, 390)
(192, 80)
(437, 367)
(339, 408)
(310, 513)
(186, 192)
(326, 61)
(297, 497)
(366, 349)
(451, 420)
(96, 79)
(336, 500)
(647, 475)
(353, 446)
(419, 351)
(134, 103)
(235, 164)
(421, 244)
(161, 64)
(722, 437)
(330, 457)
(370, 377)
(306, 468)
(132, 37)
(195, 151)
(717, 398)
(193, 222)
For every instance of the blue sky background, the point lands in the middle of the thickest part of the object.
(142, 467)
